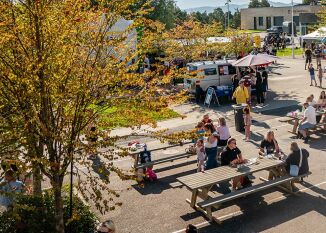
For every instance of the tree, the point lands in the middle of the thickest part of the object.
(189, 40)
(257, 3)
(164, 11)
(264, 3)
(59, 62)
(217, 16)
(236, 20)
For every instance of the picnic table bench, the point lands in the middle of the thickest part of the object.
(217, 201)
(296, 118)
(200, 183)
(135, 155)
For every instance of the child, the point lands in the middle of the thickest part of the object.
(247, 122)
(201, 156)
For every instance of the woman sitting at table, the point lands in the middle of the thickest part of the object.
(211, 146)
(231, 155)
(269, 144)
(322, 100)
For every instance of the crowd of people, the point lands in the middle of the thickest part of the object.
(248, 79)
(215, 147)
(309, 51)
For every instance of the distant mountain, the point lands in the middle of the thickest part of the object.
(233, 7)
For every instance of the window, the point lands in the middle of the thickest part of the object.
(226, 70)
(261, 21)
(191, 68)
(210, 71)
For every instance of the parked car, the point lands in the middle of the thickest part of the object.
(209, 74)
(277, 29)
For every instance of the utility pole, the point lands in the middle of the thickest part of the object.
(292, 36)
(228, 14)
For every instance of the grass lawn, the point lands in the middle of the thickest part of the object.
(252, 31)
(288, 52)
(122, 117)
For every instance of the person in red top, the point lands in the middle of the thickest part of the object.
(206, 119)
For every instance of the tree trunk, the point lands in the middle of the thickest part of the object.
(57, 185)
(37, 180)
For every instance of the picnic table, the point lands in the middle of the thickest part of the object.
(200, 183)
(295, 117)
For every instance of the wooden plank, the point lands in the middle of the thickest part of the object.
(209, 177)
(245, 192)
(164, 160)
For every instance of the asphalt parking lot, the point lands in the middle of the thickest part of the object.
(161, 206)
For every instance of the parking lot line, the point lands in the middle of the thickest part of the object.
(206, 223)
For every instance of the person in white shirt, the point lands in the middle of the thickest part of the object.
(308, 121)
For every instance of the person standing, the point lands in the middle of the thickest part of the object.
(9, 187)
(259, 88)
(201, 156)
(223, 132)
(320, 75)
(308, 54)
(318, 54)
(211, 146)
(312, 75)
(264, 76)
(241, 95)
(247, 121)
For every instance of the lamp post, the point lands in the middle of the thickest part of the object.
(292, 30)
(228, 14)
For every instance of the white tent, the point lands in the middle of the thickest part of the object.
(316, 35)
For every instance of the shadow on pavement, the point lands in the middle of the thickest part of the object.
(259, 216)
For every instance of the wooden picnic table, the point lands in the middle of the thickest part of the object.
(200, 183)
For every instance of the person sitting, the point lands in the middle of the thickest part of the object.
(322, 100)
(269, 144)
(231, 155)
(8, 187)
(308, 121)
(211, 146)
(206, 119)
(294, 159)
(223, 131)
(241, 94)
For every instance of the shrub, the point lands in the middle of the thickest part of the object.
(31, 214)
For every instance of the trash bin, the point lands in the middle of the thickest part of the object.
(238, 116)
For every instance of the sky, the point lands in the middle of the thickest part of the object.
(185, 4)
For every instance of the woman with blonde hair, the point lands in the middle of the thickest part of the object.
(223, 132)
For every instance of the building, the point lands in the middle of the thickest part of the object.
(266, 17)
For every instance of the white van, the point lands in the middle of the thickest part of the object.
(208, 74)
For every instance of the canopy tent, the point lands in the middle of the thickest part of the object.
(316, 35)
(255, 60)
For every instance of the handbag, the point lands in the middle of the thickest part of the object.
(294, 169)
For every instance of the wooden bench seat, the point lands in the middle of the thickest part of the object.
(208, 204)
(164, 160)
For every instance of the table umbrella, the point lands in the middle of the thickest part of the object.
(255, 60)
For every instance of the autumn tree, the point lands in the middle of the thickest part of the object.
(61, 66)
